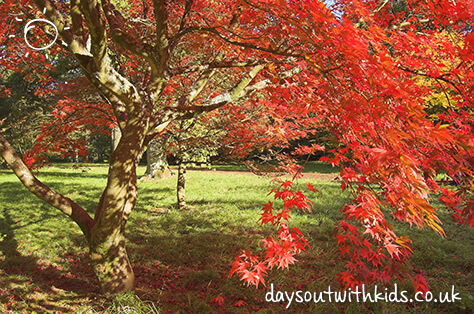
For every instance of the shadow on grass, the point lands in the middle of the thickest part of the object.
(80, 175)
(37, 274)
(30, 284)
(184, 263)
(238, 203)
(87, 197)
(182, 259)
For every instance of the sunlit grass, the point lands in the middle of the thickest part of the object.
(182, 258)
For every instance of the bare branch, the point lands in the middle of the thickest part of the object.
(214, 31)
(187, 9)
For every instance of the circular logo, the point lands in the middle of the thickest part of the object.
(30, 26)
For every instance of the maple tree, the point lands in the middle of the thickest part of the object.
(371, 99)
(150, 67)
(358, 72)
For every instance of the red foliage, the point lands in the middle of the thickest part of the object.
(69, 117)
(369, 87)
(279, 251)
(218, 301)
(367, 74)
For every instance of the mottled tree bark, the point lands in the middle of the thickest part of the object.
(116, 135)
(107, 244)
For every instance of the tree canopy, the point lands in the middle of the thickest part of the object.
(364, 70)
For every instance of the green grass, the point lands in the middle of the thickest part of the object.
(319, 167)
(182, 258)
(309, 167)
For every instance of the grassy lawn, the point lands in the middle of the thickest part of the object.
(182, 259)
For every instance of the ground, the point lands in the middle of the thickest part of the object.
(182, 258)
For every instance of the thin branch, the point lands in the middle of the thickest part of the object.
(381, 6)
(214, 31)
(200, 83)
(217, 65)
(241, 90)
(440, 77)
(187, 9)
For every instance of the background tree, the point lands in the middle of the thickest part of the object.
(156, 158)
(251, 128)
(26, 96)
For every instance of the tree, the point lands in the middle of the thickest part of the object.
(25, 100)
(358, 70)
(371, 102)
(149, 66)
(157, 162)
(193, 141)
(79, 126)
(23, 110)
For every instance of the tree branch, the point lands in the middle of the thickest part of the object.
(239, 91)
(161, 23)
(242, 89)
(74, 45)
(97, 30)
(43, 192)
(214, 31)
(117, 23)
(76, 19)
(100, 72)
(199, 85)
(187, 9)
(216, 65)
(440, 77)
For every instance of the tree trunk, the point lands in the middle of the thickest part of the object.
(157, 163)
(107, 244)
(116, 135)
(181, 184)
(111, 264)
